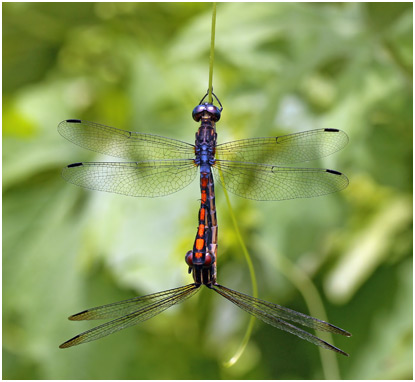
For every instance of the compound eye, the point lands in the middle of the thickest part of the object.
(198, 112)
(214, 111)
(189, 258)
(209, 260)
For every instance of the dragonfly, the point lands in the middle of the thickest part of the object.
(201, 261)
(251, 168)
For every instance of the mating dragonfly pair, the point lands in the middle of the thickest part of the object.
(249, 168)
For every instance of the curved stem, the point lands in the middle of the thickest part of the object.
(248, 332)
(315, 306)
(212, 53)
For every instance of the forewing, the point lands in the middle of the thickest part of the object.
(123, 144)
(149, 178)
(265, 182)
(285, 149)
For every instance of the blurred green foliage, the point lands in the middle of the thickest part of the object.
(279, 68)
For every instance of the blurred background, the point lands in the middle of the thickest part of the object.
(279, 69)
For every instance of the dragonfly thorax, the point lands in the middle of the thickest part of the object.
(206, 110)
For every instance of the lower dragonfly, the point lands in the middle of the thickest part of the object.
(202, 264)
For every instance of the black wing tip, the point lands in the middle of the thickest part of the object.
(332, 130)
(344, 135)
(342, 352)
(68, 343)
(64, 122)
(76, 317)
(334, 172)
(74, 165)
(342, 332)
(328, 346)
(335, 329)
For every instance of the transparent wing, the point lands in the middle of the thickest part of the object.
(275, 315)
(121, 308)
(150, 178)
(265, 182)
(123, 144)
(134, 310)
(285, 149)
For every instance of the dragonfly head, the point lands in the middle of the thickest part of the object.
(203, 268)
(206, 110)
(203, 262)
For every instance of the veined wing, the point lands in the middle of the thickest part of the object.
(276, 315)
(265, 182)
(149, 178)
(123, 144)
(121, 308)
(135, 310)
(285, 149)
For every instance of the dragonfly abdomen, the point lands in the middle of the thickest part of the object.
(202, 259)
(212, 246)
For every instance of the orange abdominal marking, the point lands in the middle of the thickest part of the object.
(199, 244)
(203, 196)
(201, 230)
(198, 255)
(202, 214)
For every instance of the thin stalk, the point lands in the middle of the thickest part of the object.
(212, 53)
(315, 305)
(248, 332)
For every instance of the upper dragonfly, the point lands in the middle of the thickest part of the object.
(250, 168)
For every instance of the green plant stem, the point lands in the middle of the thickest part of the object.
(315, 306)
(212, 53)
(248, 332)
